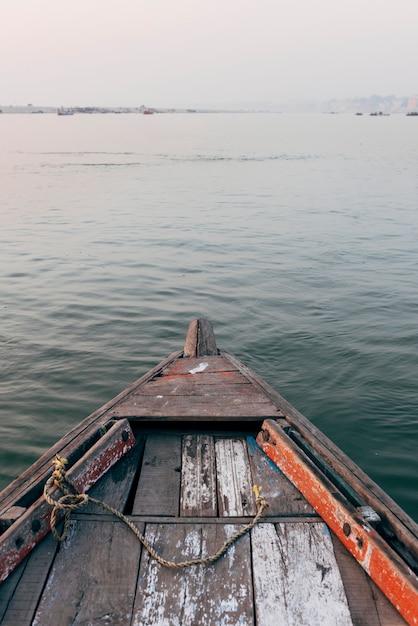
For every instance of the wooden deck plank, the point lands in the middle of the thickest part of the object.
(198, 480)
(296, 578)
(235, 486)
(8, 587)
(368, 605)
(388, 615)
(215, 595)
(181, 367)
(158, 491)
(31, 580)
(161, 519)
(216, 406)
(282, 497)
(104, 557)
(189, 384)
(93, 578)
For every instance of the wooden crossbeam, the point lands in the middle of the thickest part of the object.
(28, 529)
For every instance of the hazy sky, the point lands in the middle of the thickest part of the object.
(205, 52)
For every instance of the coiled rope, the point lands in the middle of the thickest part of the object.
(72, 500)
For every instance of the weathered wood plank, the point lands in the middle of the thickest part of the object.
(216, 406)
(104, 557)
(10, 516)
(235, 486)
(188, 384)
(388, 615)
(296, 578)
(282, 497)
(28, 530)
(190, 343)
(200, 339)
(8, 587)
(24, 600)
(198, 479)
(93, 578)
(158, 491)
(161, 519)
(206, 342)
(115, 487)
(368, 606)
(216, 594)
(183, 366)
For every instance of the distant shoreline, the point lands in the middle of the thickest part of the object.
(33, 109)
(373, 105)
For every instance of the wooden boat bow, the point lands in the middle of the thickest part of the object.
(178, 452)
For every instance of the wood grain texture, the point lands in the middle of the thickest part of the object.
(206, 342)
(94, 574)
(235, 486)
(198, 479)
(21, 607)
(8, 587)
(190, 343)
(158, 491)
(216, 406)
(200, 339)
(368, 605)
(207, 595)
(296, 577)
(282, 497)
(183, 366)
(199, 384)
(93, 578)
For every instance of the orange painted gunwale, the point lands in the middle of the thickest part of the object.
(384, 566)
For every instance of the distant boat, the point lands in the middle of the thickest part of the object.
(412, 114)
(62, 111)
(146, 110)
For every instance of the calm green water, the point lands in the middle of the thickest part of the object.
(295, 235)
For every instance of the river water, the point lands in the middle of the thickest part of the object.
(296, 235)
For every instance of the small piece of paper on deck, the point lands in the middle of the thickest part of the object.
(199, 368)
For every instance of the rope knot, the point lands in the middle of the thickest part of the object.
(260, 500)
(70, 501)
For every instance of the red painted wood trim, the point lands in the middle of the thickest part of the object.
(28, 530)
(384, 566)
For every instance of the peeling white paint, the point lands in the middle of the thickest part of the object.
(234, 478)
(215, 594)
(284, 558)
